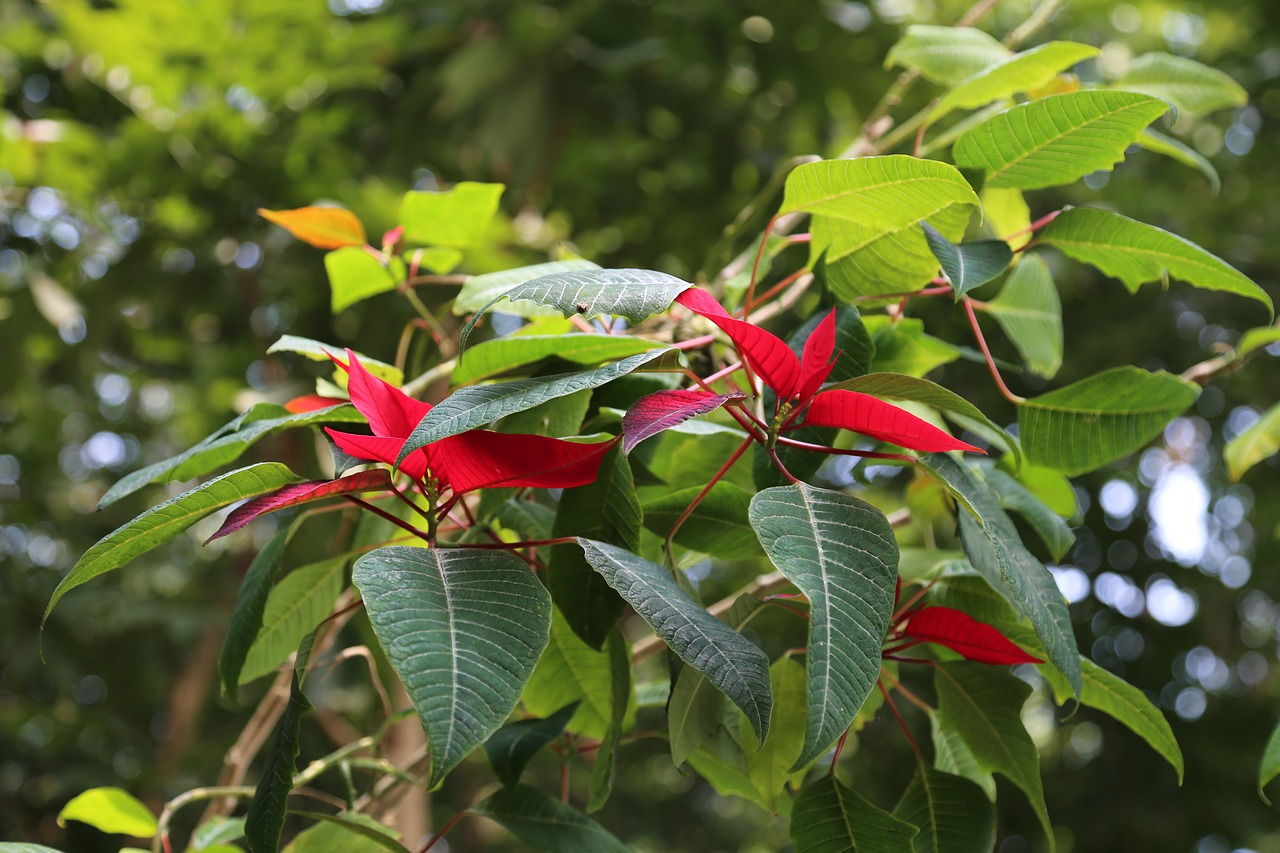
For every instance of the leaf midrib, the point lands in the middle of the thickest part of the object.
(1017, 161)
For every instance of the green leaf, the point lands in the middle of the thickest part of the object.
(560, 417)
(1100, 419)
(968, 265)
(1023, 72)
(1257, 338)
(609, 511)
(718, 526)
(732, 663)
(463, 630)
(319, 351)
(634, 294)
(265, 821)
(482, 290)
(502, 354)
(984, 704)
(216, 831)
(20, 847)
(946, 55)
(1186, 155)
(474, 406)
(299, 603)
(620, 695)
(951, 812)
(1124, 703)
(513, 746)
(952, 755)
(545, 823)
(456, 217)
(1030, 312)
(440, 260)
(903, 347)
(356, 273)
(161, 523)
(769, 765)
(350, 832)
(571, 671)
(1005, 214)
(994, 548)
(829, 818)
(1190, 86)
(1270, 766)
(246, 618)
(225, 445)
(111, 810)
(841, 553)
(1053, 531)
(1058, 139)
(1254, 444)
(1136, 253)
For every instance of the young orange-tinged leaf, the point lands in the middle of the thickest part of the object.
(322, 227)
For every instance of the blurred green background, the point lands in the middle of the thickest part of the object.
(139, 292)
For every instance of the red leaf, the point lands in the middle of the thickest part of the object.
(376, 480)
(322, 227)
(961, 633)
(878, 419)
(767, 355)
(662, 410)
(816, 361)
(311, 403)
(482, 459)
(390, 411)
(392, 237)
(381, 448)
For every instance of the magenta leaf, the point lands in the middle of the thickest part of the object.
(880, 420)
(960, 632)
(377, 480)
(662, 410)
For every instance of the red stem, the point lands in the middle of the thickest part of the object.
(888, 700)
(928, 291)
(1035, 226)
(694, 343)
(511, 546)
(448, 826)
(782, 285)
(924, 590)
(724, 469)
(822, 448)
(986, 353)
(748, 302)
(378, 511)
(835, 757)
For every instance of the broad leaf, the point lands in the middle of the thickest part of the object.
(1190, 86)
(1182, 153)
(513, 746)
(984, 704)
(1005, 213)
(349, 832)
(770, 764)
(903, 347)
(960, 632)
(841, 553)
(1257, 338)
(951, 812)
(246, 618)
(1058, 139)
(952, 755)
(718, 526)
(545, 823)
(468, 408)
(456, 217)
(377, 480)
(165, 521)
(1030, 312)
(1101, 419)
(322, 227)
(1270, 765)
(320, 351)
(298, 604)
(1136, 253)
(1023, 72)
(968, 265)
(1255, 444)
(502, 354)
(265, 821)
(463, 630)
(571, 671)
(110, 810)
(994, 548)
(946, 55)
(828, 817)
(661, 410)
(732, 663)
(621, 696)
(482, 290)
(1048, 525)
(357, 272)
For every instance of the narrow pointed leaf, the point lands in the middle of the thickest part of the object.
(1255, 444)
(1057, 140)
(841, 553)
(320, 351)
(870, 416)
(1186, 155)
(968, 265)
(718, 526)
(830, 818)
(764, 351)
(994, 548)
(1053, 531)
(482, 290)
(545, 823)
(1191, 86)
(110, 810)
(456, 217)
(377, 480)
(297, 605)
(984, 704)
(322, 227)
(1101, 419)
(357, 272)
(463, 630)
(951, 812)
(1136, 253)
(475, 406)
(246, 618)
(1270, 766)
(960, 632)
(621, 691)
(854, 348)
(731, 662)
(1030, 312)
(662, 410)
(1022, 72)
(502, 354)
(513, 746)
(161, 523)
(946, 55)
(265, 820)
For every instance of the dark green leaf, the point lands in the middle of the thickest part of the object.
(246, 618)
(1053, 531)
(347, 831)
(952, 813)
(265, 820)
(1270, 766)
(502, 354)
(842, 555)
(513, 746)
(545, 823)
(482, 290)
(463, 630)
(830, 818)
(968, 265)
(952, 755)
(620, 691)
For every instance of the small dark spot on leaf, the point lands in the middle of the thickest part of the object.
(582, 307)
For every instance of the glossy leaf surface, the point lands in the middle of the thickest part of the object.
(968, 265)
(513, 746)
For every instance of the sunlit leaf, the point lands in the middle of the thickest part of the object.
(456, 217)
(946, 55)
(512, 747)
(968, 265)
(1191, 86)
(571, 671)
(320, 351)
(545, 823)
(829, 817)
(1005, 213)
(1030, 312)
(1023, 72)
(111, 810)
(1255, 444)
(903, 347)
(951, 812)
(356, 273)
(322, 227)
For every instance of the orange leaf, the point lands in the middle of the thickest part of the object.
(322, 227)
